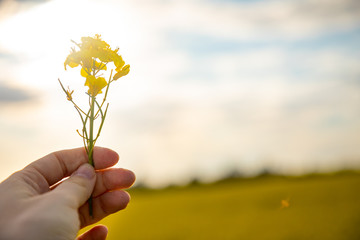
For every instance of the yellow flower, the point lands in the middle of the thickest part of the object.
(94, 43)
(93, 56)
(118, 61)
(121, 72)
(84, 72)
(69, 94)
(73, 60)
(95, 84)
(285, 203)
(99, 65)
(87, 71)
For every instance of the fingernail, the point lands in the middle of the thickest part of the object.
(85, 170)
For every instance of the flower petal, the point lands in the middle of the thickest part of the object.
(118, 62)
(95, 84)
(84, 72)
(124, 71)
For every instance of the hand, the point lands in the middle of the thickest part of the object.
(34, 204)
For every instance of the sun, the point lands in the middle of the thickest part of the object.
(40, 37)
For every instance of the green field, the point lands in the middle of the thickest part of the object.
(321, 207)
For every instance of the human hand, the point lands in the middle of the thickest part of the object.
(34, 204)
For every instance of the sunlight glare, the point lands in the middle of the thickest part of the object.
(43, 44)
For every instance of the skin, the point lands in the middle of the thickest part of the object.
(37, 203)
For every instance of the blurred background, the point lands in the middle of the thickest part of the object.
(216, 87)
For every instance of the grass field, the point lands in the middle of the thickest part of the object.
(320, 207)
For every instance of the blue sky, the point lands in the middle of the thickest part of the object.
(214, 85)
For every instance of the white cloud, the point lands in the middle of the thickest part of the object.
(178, 113)
(251, 21)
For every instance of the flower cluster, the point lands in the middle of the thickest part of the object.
(93, 56)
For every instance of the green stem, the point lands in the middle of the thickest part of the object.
(91, 131)
(91, 145)
(106, 92)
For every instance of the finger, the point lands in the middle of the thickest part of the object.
(74, 191)
(96, 233)
(58, 165)
(103, 206)
(112, 179)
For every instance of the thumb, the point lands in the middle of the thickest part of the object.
(78, 188)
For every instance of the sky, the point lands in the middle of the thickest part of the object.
(214, 87)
